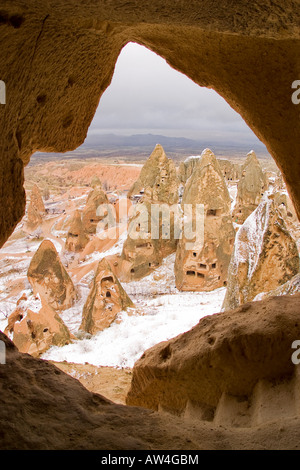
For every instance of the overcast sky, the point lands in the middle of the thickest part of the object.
(148, 96)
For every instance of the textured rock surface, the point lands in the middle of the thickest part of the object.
(106, 299)
(151, 237)
(158, 180)
(153, 220)
(265, 256)
(52, 54)
(92, 213)
(35, 211)
(250, 189)
(202, 262)
(186, 168)
(43, 408)
(76, 238)
(49, 279)
(231, 171)
(35, 332)
(290, 287)
(228, 363)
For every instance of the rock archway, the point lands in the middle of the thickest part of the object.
(57, 58)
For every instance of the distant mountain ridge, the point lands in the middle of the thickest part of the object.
(140, 146)
(170, 144)
(137, 140)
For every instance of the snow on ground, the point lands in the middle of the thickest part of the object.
(114, 250)
(232, 189)
(24, 245)
(161, 312)
(126, 339)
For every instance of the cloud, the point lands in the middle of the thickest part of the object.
(146, 94)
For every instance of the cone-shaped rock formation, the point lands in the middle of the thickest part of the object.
(250, 188)
(92, 213)
(152, 226)
(265, 256)
(202, 258)
(106, 299)
(34, 332)
(76, 238)
(158, 179)
(49, 279)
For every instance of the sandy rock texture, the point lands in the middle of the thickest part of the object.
(49, 278)
(233, 368)
(106, 299)
(203, 256)
(76, 238)
(58, 58)
(250, 188)
(265, 256)
(44, 408)
(35, 332)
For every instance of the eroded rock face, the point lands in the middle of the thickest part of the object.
(231, 171)
(158, 180)
(290, 287)
(265, 256)
(202, 265)
(36, 200)
(187, 167)
(58, 412)
(35, 332)
(92, 213)
(62, 92)
(76, 238)
(96, 183)
(233, 368)
(106, 299)
(49, 279)
(251, 187)
(152, 225)
(152, 235)
(35, 211)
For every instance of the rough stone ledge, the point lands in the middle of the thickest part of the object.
(228, 364)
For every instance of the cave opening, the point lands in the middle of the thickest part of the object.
(146, 103)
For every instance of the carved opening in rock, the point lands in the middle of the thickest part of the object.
(191, 273)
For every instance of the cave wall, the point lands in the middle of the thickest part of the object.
(57, 57)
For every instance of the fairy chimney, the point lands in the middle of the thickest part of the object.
(106, 299)
(158, 179)
(231, 171)
(203, 253)
(250, 189)
(187, 167)
(36, 210)
(153, 222)
(92, 213)
(49, 279)
(34, 332)
(265, 256)
(152, 235)
(76, 238)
